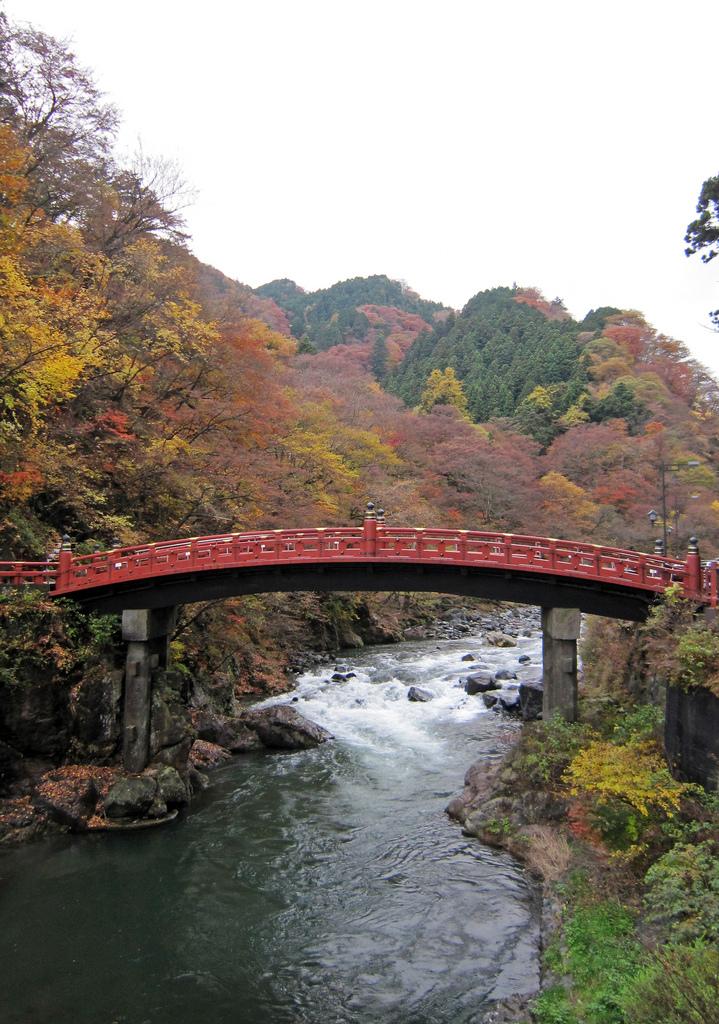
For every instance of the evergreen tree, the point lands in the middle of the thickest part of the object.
(703, 233)
(620, 404)
(379, 358)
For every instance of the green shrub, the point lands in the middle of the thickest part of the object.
(41, 637)
(549, 748)
(683, 891)
(553, 1007)
(698, 656)
(679, 985)
(643, 722)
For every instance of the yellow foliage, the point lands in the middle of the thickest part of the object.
(566, 502)
(635, 773)
(610, 369)
(443, 387)
(47, 335)
(279, 344)
(332, 454)
(574, 415)
(540, 397)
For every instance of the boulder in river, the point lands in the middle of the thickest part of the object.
(69, 796)
(490, 699)
(497, 639)
(418, 695)
(468, 657)
(531, 696)
(130, 797)
(281, 727)
(170, 787)
(342, 677)
(480, 682)
(415, 633)
(524, 659)
(509, 701)
(196, 780)
(207, 755)
(230, 733)
(505, 674)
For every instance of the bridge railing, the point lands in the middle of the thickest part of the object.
(540, 554)
(471, 548)
(710, 583)
(201, 553)
(17, 574)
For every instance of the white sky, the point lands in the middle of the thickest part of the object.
(456, 145)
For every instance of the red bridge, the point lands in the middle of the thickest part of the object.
(532, 570)
(146, 582)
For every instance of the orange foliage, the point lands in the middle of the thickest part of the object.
(553, 310)
(630, 337)
(400, 329)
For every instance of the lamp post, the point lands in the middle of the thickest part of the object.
(652, 517)
(664, 468)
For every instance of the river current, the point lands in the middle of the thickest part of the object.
(317, 887)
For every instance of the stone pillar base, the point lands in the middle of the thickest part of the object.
(560, 629)
(147, 632)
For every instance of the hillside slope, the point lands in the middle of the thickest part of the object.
(334, 315)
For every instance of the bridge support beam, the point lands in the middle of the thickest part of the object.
(560, 632)
(147, 633)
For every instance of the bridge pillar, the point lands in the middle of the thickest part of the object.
(147, 633)
(560, 632)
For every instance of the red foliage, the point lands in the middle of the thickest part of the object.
(553, 310)
(401, 329)
(580, 828)
(114, 422)
(267, 309)
(631, 337)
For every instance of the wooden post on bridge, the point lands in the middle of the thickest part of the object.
(693, 577)
(369, 528)
(64, 562)
(560, 632)
(147, 632)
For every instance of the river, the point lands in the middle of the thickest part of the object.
(317, 887)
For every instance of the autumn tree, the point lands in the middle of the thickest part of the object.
(146, 198)
(537, 414)
(567, 505)
(443, 388)
(56, 109)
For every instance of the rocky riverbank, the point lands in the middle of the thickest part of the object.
(625, 854)
(86, 798)
(503, 806)
(60, 740)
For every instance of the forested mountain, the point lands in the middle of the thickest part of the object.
(501, 348)
(335, 315)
